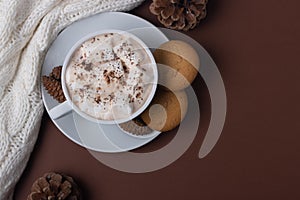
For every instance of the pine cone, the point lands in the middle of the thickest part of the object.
(52, 84)
(179, 14)
(56, 73)
(53, 186)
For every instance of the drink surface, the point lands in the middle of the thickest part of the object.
(109, 76)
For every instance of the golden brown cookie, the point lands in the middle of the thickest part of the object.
(136, 126)
(178, 64)
(166, 110)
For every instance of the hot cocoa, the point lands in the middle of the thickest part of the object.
(110, 76)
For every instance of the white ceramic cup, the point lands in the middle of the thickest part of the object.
(68, 106)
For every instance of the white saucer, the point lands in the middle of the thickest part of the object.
(97, 137)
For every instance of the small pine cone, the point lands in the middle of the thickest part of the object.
(54, 186)
(54, 88)
(56, 73)
(179, 14)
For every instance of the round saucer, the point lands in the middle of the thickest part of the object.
(94, 136)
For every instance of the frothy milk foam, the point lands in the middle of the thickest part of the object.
(109, 76)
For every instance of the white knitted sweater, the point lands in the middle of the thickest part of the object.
(27, 28)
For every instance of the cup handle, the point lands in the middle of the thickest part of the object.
(60, 110)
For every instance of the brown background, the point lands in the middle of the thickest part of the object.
(255, 44)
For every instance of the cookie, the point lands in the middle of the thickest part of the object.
(136, 127)
(166, 110)
(178, 64)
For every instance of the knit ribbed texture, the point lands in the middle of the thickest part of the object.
(27, 28)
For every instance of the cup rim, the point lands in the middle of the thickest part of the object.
(113, 121)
